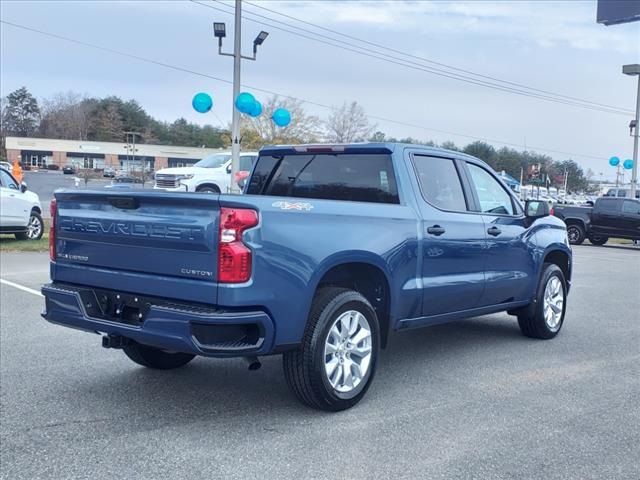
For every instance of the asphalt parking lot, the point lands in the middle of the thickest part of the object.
(472, 399)
(44, 183)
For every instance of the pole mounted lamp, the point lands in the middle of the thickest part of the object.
(219, 31)
(634, 70)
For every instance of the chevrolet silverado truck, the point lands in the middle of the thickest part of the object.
(330, 249)
(212, 174)
(610, 217)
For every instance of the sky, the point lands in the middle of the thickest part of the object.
(555, 46)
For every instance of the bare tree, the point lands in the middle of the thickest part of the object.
(66, 116)
(258, 131)
(348, 124)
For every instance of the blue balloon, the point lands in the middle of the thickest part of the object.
(202, 102)
(614, 161)
(256, 110)
(628, 164)
(281, 117)
(244, 102)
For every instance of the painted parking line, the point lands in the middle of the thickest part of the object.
(20, 287)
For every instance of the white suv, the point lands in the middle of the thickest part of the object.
(20, 210)
(209, 175)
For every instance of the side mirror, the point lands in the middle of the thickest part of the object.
(23, 187)
(536, 208)
(229, 168)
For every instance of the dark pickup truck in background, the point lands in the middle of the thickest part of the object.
(610, 217)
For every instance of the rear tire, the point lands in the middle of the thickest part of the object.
(598, 240)
(336, 362)
(151, 357)
(545, 317)
(576, 234)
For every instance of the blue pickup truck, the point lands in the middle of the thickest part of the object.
(330, 248)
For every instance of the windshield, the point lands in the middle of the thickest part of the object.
(213, 161)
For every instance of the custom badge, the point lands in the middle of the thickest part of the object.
(300, 206)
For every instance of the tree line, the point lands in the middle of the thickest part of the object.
(72, 116)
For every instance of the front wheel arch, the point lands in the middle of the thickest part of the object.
(209, 188)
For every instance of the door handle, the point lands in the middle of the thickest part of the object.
(495, 231)
(436, 230)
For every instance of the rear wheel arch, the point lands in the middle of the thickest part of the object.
(367, 278)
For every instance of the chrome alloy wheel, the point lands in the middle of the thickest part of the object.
(347, 351)
(553, 303)
(34, 229)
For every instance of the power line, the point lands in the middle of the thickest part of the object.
(427, 60)
(271, 92)
(413, 65)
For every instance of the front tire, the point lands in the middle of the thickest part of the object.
(35, 228)
(545, 317)
(151, 357)
(208, 190)
(575, 234)
(333, 368)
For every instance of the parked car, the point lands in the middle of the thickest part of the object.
(620, 193)
(209, 175)
(69, 170)
(109, 172)
(20, 210)
(331, 248)
(610, 217)
(128, 178)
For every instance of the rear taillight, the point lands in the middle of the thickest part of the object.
(53, 208)
(234, 257)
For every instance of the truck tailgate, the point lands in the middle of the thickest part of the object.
(143, 239)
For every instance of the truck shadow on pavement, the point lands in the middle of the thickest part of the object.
(219, 389)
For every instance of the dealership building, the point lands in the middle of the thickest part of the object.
(39, 153)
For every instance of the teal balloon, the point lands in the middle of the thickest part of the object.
(202, 102)
(244, 102)
(281, 117)
(628, 164)
(256, 110)
(614, 161)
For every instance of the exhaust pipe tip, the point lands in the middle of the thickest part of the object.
(253, 363)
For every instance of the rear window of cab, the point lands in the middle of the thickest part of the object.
(339, 176)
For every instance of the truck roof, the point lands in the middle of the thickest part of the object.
(364, 147)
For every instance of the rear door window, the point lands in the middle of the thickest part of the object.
(631, 207)
(246, 162)
(440, 183)
(343, 176)
(609, 205)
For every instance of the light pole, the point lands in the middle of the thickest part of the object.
(219, 31)
(634, 70)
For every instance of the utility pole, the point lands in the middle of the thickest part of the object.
(634, 70)
(235, 121)
(634, 170)
(219, 31)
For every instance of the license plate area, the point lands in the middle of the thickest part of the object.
(116, 307)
